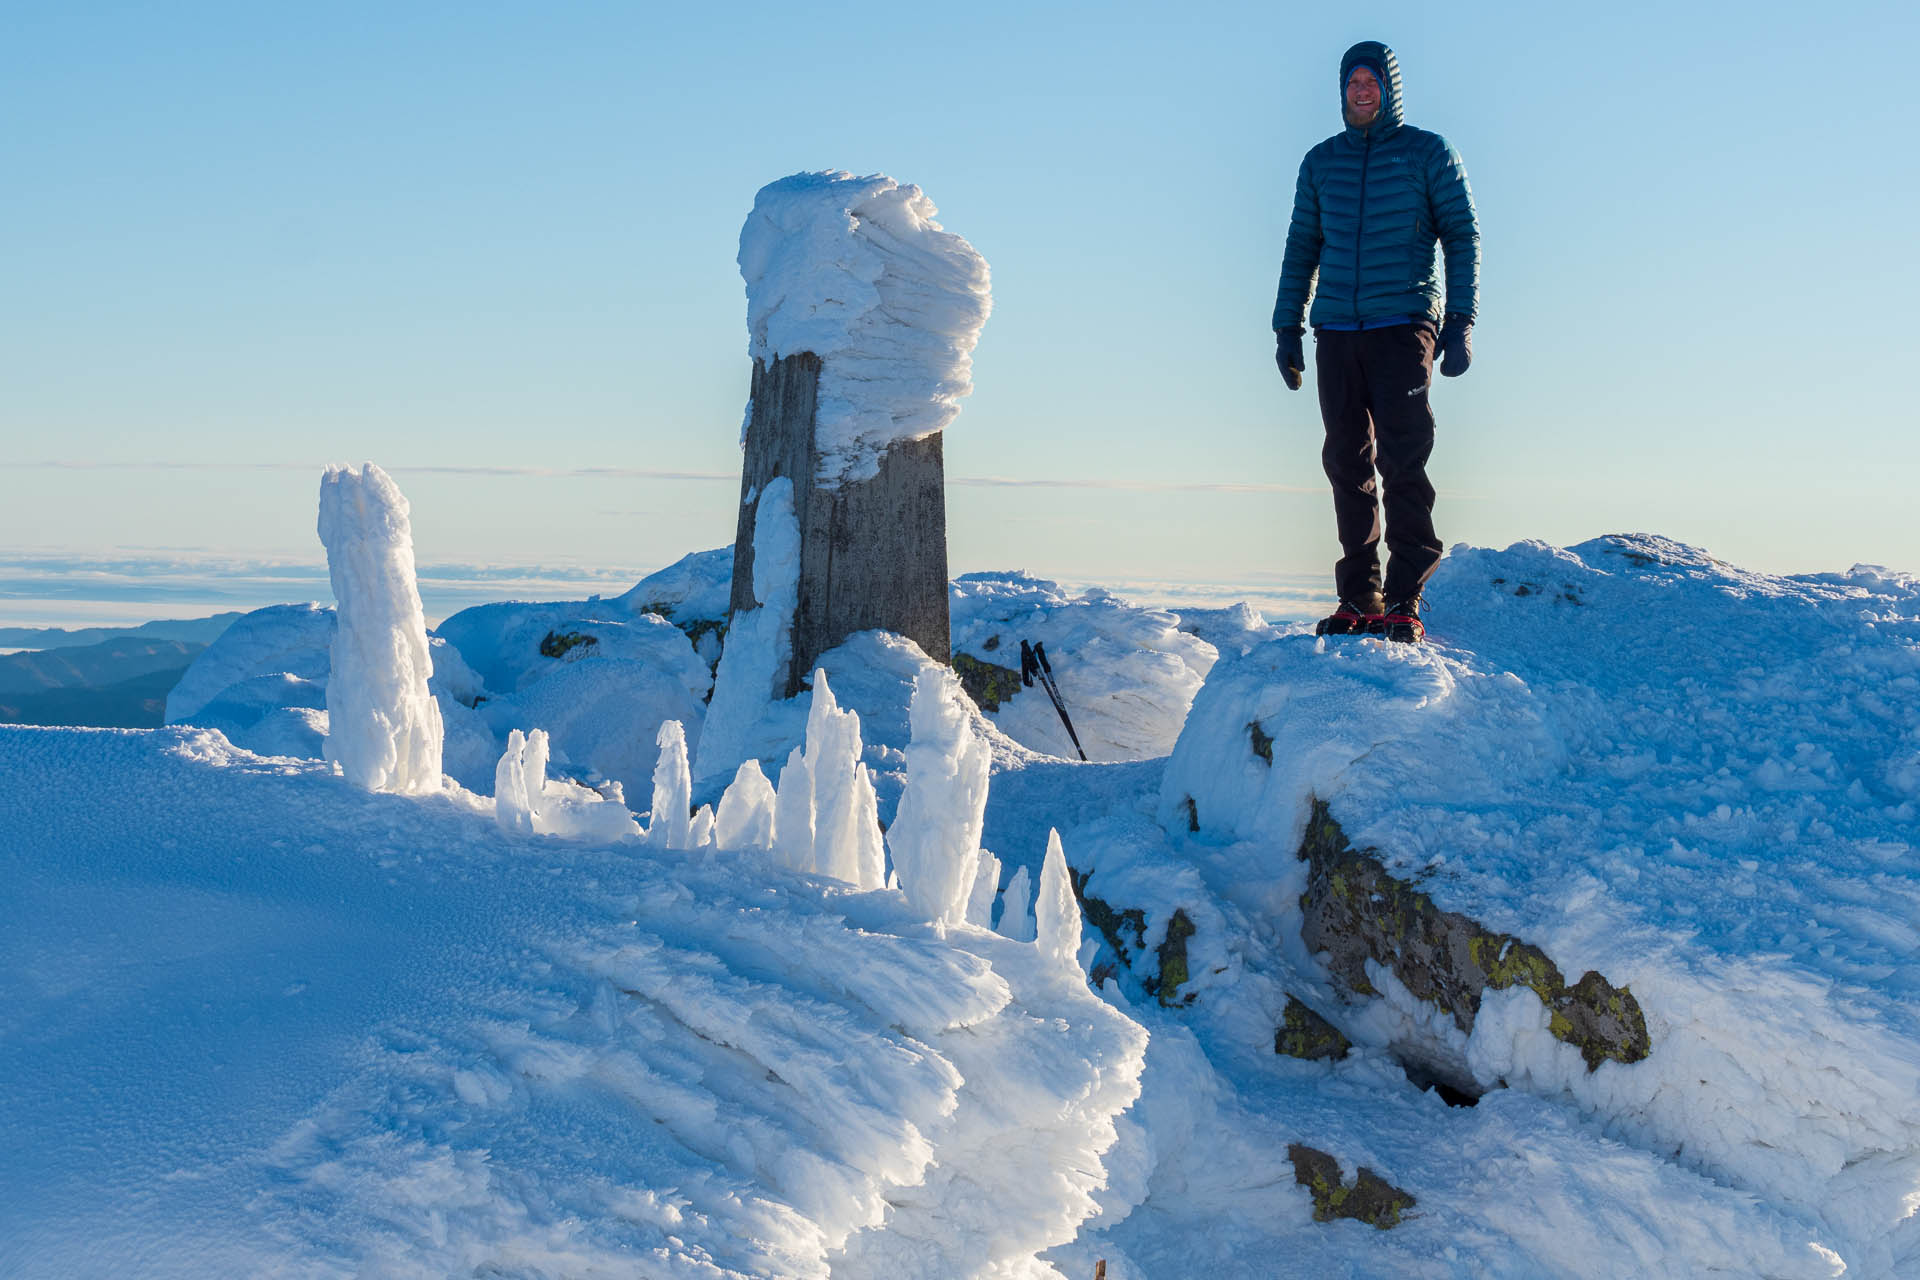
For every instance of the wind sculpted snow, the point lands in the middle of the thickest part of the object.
(857, 271)
(258, 1021)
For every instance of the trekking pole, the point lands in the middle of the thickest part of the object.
(1033, 661)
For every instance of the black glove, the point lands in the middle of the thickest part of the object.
(1290, 354)
(1456, 346)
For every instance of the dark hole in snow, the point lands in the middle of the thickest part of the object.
(1448, 1091)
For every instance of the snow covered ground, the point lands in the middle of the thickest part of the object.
(255, 1019)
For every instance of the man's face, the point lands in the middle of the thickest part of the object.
(1363, 97)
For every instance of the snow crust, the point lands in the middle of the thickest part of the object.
(383, 725)
(856, 270)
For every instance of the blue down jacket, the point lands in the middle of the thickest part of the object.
(1367, 209)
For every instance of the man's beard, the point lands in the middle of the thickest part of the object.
(1372, 119)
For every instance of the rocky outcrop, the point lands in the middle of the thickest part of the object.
(1355, 911)
(987, 683)
(1126, 933)
(1370, 1198)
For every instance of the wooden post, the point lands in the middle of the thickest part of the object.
(873, 553)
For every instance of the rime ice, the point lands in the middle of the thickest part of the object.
(384, 725)
(856, 271)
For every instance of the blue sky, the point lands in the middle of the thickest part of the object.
(491, 247)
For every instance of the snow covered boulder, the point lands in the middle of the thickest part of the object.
(1624, 759)
(1126, 674)
(691, 593)
(288, 640)
(599, 679)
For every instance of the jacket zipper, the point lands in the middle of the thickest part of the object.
(1360, 225)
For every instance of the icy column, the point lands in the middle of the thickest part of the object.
(935, 837)
(862, 315)
(383, 725)
(754, 663)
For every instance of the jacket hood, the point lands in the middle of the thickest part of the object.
(1373, 54)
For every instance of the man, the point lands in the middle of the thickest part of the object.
(1370, 204)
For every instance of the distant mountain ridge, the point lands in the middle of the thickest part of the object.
(202, 631)
(120, 683)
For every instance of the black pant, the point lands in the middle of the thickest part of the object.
(1373, 399)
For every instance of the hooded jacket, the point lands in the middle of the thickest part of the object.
(1368, 207)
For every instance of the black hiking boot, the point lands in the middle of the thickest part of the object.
(1352, 618)
(1401, 622)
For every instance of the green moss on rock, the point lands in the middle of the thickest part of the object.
(987, 683)
(1305, 1034)
(1371, 1199)
(1126, 933)
(1172, 952)
(1356, 912)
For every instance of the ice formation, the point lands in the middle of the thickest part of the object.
(935, 836)
(745, 817)
(670, 824)
(759, 646)
(527, 802)
(384, 728)
(856, 271)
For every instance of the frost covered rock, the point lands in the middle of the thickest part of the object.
(1127, 674)
(692, 594)
(598, 679)
(384, 726)
(1629, 761)
(857, 272)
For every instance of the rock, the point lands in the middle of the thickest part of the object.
(1126, 933)
(1355, 911)
(1305, 1034)
(1371, 1199)
(987, 683)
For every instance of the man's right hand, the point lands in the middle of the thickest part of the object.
(1290, 354)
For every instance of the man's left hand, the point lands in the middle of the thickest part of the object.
(1456, 346)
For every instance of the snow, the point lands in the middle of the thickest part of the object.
(378, 1034)
(759, 649)
(255, 1019)
(857, 271)
(1655, 766)
(383, 726)
(935, 836)
(283, 639)
(1126, 674)
(693, 588)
